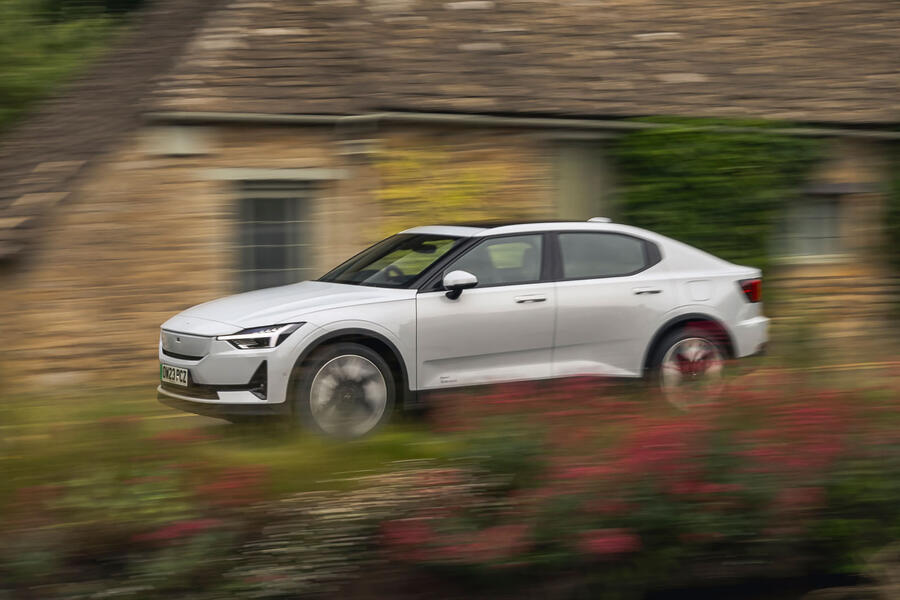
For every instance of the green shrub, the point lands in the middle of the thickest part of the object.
(719, 190)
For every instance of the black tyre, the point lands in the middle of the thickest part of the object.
(687, 366)
(344, 390)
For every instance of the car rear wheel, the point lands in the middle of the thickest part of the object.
(688, 367)
(346, 391)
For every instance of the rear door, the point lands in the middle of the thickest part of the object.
(502, 329)
(611, 295)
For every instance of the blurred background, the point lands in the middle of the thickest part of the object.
(160, 153)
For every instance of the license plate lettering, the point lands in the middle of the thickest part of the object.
(175, 375)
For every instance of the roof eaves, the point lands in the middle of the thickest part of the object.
(495, 121)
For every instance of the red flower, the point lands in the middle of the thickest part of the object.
(237, 486)
(664, 448)
(179, 530)
(36, 494)
(499, 542)
(609, 542)
(683, 487)
(718, 488)
(403, 533)
(800, 499)
(608, 508)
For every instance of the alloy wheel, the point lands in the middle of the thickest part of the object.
(691, 372)
(348, 396)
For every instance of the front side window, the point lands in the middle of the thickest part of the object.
(594, 255)
(394, 262)
(504, 261)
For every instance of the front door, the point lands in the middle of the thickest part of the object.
(501, 330)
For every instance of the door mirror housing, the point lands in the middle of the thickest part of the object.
(457, 281)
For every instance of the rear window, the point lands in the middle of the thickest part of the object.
(592, 255)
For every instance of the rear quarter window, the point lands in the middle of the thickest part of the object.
(589, 255)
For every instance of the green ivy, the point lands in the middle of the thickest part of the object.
(716, 185)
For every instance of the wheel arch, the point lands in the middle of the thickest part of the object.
(371, 339)
(718, 329)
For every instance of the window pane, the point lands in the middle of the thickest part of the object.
(505, 260)
(273, 234)
(589, 255)
(812, 227)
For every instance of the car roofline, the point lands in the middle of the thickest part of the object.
(560, 226)
(490, 229)
(451, 230)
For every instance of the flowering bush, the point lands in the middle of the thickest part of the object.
(567, 486)
(141, 516)
(775, 477)
(111, 510)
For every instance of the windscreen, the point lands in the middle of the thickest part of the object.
(394, 262)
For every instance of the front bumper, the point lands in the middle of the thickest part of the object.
(223, 374)
(218, 409)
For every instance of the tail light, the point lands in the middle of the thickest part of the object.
(752, 288)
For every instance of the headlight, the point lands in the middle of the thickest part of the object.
(260, 337)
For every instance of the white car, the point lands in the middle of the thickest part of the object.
(444, 306)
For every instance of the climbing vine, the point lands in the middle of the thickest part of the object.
(719, 186)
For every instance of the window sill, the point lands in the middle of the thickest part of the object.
(814, 259)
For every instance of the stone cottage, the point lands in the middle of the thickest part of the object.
(234, 144)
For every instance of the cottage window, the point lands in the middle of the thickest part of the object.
(812, 227)
(274, 237)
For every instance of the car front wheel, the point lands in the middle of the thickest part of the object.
(346, 391)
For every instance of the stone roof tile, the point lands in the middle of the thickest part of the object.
(42, 157)
(820, 60)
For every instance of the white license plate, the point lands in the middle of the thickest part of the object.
(175, 375)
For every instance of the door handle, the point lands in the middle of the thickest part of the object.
(647, 290)
(530, 299)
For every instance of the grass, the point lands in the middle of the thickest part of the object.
(49, 439)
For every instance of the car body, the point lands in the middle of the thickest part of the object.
(548, 300)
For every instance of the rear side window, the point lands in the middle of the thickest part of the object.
(591, 255)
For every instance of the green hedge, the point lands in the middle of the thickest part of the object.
(44, 43)
(716, 188)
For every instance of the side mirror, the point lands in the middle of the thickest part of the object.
(457, 281)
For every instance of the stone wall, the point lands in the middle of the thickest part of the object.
(149, 231)
(845, 300)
